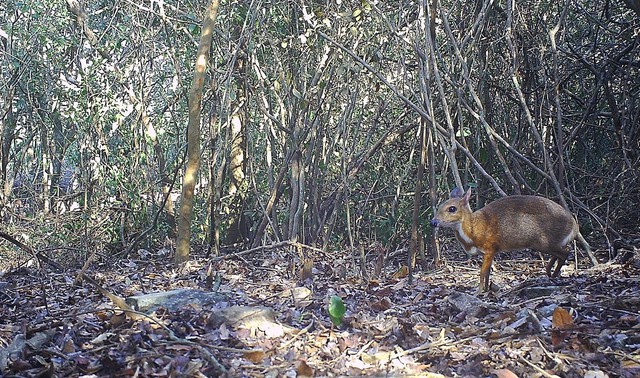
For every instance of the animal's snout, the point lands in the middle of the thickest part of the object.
(435, 223)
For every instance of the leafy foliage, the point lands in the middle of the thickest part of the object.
(336, 310)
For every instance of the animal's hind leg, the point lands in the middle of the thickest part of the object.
(558, 259)
(550, 265)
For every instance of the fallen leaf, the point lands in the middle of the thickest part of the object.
(504, 373)
(304, 370)
(357, 363)
(306, 273)
(224, 332)
(255, 356)
(68, 347)
(382, 305)
(562, 319)
(401, 273)
(367, 358)
(117, 319)
(102, 338)
(272, 330)
(595, 374)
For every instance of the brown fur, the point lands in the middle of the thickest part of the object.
(510, 223)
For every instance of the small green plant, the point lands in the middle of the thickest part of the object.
(336, 310)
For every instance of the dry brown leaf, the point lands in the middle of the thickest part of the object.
(103, 315)
(117, 319)
(562, 319)
(306, 273)
(556, 338)
(422, 317)
(373, 282)
(69, 347)
(382, 305)
(255, 356)
(401, 273)
(504, 373)
(304, 370)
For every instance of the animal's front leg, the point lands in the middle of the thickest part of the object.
(487, 260)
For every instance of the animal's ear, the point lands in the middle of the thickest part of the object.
(456, 193)
(467, 196)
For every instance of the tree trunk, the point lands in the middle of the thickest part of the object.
(7, 135)
(237, 177)
(193, 136)
(417, 197)
(237, 231)
(297, 196)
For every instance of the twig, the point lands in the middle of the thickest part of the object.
(221, 370)
(430, 345)
(270, 246)
(364, 347)
(31, 251)
(154, 223)
(302, 332)
(538, 369)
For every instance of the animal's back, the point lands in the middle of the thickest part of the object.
(529, 222)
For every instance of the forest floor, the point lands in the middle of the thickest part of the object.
(585, 323)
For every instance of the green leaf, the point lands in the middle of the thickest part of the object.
(336, 310)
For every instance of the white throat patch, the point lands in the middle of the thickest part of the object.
(462, 234)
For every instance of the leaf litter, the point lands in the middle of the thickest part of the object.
(270, 318)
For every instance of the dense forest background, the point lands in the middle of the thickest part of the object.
(332, 124)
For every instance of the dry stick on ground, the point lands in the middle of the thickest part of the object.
(136, 315)
(38, 255)
(297, 335)
(220, 369)
(118, 301)
(285, 243)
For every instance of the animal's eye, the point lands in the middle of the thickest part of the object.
(452, 209)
